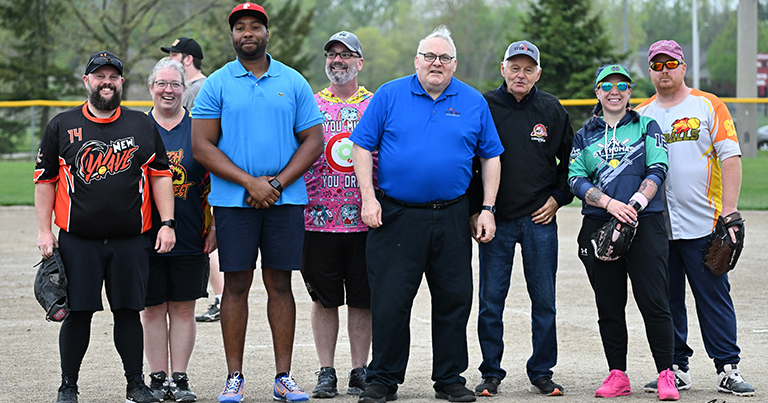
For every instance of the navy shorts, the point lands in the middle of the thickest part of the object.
(120, 265)
(177, 278)
(277, 231)
(332, 263)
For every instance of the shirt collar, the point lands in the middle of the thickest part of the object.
(450, 90)
(240, 70)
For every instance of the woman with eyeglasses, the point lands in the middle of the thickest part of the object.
(618, 162)
(178, 278)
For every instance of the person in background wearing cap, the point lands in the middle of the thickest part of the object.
(703, 184)
(617, 164)
(96, 168)
(257, 128)
(536, 133)
(189, 53)
(333, 259)
(427, 127)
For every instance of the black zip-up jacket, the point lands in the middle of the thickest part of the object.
(537, 138)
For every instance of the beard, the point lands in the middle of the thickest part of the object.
(99, 102)
(341, 77)
(255, 54)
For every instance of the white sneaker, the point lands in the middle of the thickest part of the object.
(730, 381)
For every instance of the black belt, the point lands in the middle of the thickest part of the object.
(435, 205)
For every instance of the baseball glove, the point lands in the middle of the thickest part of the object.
(721, 253)
(613, 239)
(51, 287)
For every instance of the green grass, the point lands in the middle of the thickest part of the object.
(754, 183)
(16, 186)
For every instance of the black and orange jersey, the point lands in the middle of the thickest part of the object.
(102, 169)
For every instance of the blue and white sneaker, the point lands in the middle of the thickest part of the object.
(233, 390)
(286, 390)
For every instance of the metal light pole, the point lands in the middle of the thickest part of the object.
(696, 61)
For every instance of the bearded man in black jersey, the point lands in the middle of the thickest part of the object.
(98, 166)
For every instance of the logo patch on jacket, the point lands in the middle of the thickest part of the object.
(539, 133)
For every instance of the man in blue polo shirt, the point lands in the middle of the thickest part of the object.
(427, 128)
(257, 129)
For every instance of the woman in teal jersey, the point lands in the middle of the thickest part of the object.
(617, 164)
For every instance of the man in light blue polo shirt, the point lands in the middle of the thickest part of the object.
(427, 128)
(257, 129)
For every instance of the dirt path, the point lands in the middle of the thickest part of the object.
(30, 361)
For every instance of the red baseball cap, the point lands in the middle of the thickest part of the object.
(248, 9)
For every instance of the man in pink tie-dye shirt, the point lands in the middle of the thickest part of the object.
(333, 261)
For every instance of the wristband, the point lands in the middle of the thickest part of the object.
(640, 199)
(606, 204)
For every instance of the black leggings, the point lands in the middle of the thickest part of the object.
(645, 263)
(75, 335)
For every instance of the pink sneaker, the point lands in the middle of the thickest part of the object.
(616, 384)
(667, 390)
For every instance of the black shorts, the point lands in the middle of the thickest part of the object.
(177, 278)
(332, 263)
(121, 265)
(277, 231)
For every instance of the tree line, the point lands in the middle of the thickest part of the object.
(46, 43)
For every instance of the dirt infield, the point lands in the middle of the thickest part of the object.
(30, 360)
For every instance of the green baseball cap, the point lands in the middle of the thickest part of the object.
(606, 71)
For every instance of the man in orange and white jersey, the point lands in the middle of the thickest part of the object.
(703, 183)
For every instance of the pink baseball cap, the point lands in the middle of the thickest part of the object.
(670, 48)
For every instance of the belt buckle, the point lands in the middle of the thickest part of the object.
(438, 205)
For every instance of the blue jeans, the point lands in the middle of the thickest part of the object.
(539, 247)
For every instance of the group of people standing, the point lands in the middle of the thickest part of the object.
(365, 195)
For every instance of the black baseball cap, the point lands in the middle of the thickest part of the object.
(103, 58)
(185, 45)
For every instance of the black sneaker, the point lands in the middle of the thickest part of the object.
(730, 381)
(180, 388)
(326, 383)
(137, 391)
(377, 393)
(212, 315)
(455, 392)
(67, 393)
(489, 387)
(545, 386)
(357, 383)
(159, 385)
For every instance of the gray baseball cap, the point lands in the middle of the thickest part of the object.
(523, 48)
(348, 39)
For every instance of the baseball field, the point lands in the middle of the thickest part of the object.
(29, 369)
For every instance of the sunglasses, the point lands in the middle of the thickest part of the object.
(103, 60)
(608, 86)
(671, 64)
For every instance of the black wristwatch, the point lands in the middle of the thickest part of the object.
(276, 184)
(492, 209)
(170, 223)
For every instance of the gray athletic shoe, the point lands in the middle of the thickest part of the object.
(159, 385)
(730, 381)
(180, 388)
(212, 315)
(326, 383)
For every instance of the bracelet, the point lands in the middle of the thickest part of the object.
(213, 228)
(606, 204)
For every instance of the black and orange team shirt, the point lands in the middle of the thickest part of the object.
(102, 169)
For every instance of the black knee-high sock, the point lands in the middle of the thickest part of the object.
(74, 336)
(129, 341)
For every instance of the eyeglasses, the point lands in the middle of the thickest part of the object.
(344, 55)
(608, 86)
(671, 64)
(430, 57)
(176, 85)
